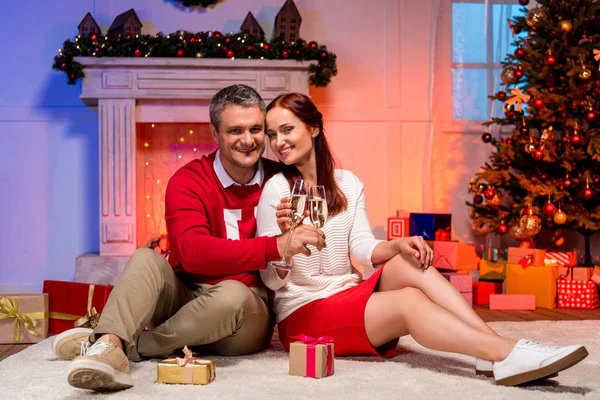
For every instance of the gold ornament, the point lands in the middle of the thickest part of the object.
(565, 26)
(529, 147)
(585, 73)
(530, 224)
(534, 16)
(516, 232)
(560, 217)
(496, 200)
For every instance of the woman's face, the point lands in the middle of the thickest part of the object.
(290, 139)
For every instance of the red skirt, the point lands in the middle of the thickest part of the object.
(342, 317)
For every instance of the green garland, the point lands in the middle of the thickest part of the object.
(197, 3)
(198, 45)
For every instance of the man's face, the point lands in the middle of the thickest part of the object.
(241, 136)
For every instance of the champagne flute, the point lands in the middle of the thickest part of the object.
(299, 197)
(317, 211)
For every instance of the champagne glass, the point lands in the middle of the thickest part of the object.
(299, 197)
(317, 212)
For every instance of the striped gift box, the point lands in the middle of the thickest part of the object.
(566, 258)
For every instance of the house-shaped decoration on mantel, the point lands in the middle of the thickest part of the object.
(287, 22)
(251, 27)
(127, 22)
(88, 25)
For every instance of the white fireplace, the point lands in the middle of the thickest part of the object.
(133, 91)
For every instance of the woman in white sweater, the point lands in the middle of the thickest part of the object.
(404, 296)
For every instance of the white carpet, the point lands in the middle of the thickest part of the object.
(416, 373)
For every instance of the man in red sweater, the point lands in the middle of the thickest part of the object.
(209, 293)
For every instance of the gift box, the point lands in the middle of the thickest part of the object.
(540, 281)
(492, 270)
(575, 273)
(188, 370)
(483, 290)
(596, 275)
(455, 256)
(462, 282)
(398, 225)
(312, 357)
(512, 302)
(426, 225)
(74, 304)
(577, 294)
(526, 257)
(565, 258)
(495, 254)
(23, 318)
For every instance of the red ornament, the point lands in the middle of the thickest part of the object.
(313, 45)
(230, 54)
(298, 52)
(72, 76)
(227, 39)
(137, 53)
(538, 103)
(502, 228)
(567, 183)
(486, 137)
(266, 46)
(489, 193)
(250, 47)
(501, 95)
(94, 37)
(217, 34)
(537, 154)
(586, 194)
(549, 209)
(63, 67)
(550, 59)
(180, 53)
(519, 73)
(519, 53)
(576, 140)
(590, 116)
(523, 2)
(509, 141)
(285, 54)
(528, 210)
(477, 199)
(323, 55)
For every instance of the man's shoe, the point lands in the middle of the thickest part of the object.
(71, 343)
(529, 361)
(103, 367)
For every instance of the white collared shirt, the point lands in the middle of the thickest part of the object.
(227, 180)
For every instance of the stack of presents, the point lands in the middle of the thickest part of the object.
(505, 279)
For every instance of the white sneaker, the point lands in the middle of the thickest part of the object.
(529, 361)
(103, 367)
(71, 343)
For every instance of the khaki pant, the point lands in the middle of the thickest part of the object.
(227, 318)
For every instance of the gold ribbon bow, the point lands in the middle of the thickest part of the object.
(29, 321)
(597, 57)
(519, 98)
(89, 320)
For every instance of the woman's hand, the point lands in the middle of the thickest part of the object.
(416, 247)
(284, 213)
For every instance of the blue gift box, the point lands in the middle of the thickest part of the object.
(426, 225)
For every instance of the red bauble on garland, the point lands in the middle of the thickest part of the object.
(180, 53)
(285, 54)
(137, 53)
(266, 46)
(230, 53)
(489, 193)
(313, 44)
(94, 37)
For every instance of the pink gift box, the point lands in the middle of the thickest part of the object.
(512, 302)
(455, 256)
(462, 282)
(398, 225)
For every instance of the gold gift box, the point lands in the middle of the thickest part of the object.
(540, 281)
(195, 372)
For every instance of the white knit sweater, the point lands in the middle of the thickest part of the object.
(346, 233)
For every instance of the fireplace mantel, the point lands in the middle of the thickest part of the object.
(133, 90)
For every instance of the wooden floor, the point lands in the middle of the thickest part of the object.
(6, 350)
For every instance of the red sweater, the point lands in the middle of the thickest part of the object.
(203, 245)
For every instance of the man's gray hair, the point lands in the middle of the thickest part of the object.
(239, 95)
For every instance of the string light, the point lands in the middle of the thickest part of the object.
(152, 125)
(146, 144)
(181, 139)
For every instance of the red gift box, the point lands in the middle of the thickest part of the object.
(398, 225)
(483, 290)
(72, 303)
(577, 294)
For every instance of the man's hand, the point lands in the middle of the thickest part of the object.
(416, 247)
(302, 236)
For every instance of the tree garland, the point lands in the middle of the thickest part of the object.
(198, 45)
(197, 3)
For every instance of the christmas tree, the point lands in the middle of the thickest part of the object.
(545, 167)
